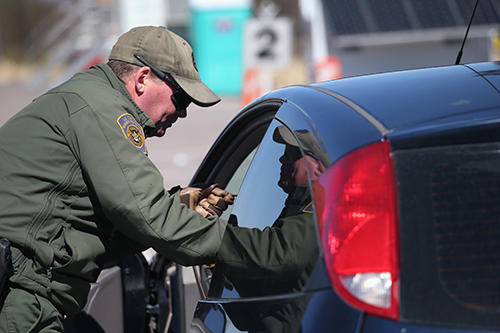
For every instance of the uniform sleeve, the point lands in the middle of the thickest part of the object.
(285, 248)
(129, 190)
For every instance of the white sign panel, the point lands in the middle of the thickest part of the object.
(135, 13)
(268, 43)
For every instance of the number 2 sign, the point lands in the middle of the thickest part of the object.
(268, 43)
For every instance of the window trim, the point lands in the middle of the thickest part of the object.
(235, 138)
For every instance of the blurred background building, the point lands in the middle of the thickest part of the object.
(243, 48)
(53, 39)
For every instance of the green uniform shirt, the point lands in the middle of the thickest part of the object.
(285, 251)
(77, 187)
(276, 260)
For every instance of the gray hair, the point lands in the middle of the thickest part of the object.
(122, 69)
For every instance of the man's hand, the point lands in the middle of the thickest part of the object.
(214, 200)
(209, 201)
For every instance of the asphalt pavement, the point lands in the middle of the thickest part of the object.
(177, 154)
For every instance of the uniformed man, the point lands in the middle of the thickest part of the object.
(77, 186)
(278, 259)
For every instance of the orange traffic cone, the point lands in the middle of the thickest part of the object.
(328, 68)
(251, 88)
(94, 61)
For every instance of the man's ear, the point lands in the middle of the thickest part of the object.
(139, 79)
(316, 167)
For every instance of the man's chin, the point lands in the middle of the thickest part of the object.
(159, 132)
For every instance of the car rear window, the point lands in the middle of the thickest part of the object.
(449, 223)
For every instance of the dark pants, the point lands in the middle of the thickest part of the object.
(24, 312)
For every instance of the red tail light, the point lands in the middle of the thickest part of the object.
(356, 204)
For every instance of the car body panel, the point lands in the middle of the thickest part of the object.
(476, 126)
(337, 126)
(490, 71)
(400, 100)
(374, 324)
(324, 311)
(418, 108)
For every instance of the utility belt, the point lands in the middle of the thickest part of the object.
(5, 268)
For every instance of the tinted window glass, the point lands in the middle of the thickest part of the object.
(260, 194)
(233, 186)
(270, 246)
(449, 204)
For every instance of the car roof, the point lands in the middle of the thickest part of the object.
(405, 99)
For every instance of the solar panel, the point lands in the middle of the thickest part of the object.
(433, 13)
(389, 15)
(346, 17)
(485, 14)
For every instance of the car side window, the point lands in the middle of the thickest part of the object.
(274, 245)
(234, 184)
(260, 191)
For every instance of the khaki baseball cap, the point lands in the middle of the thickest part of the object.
(307, 142)
(167, 52)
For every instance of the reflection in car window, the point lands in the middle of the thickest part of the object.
(260, 195)
(270, 244)
(273, 248)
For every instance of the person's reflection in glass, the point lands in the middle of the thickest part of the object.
(280, 258)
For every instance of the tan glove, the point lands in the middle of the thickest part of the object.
(215, 200)
(209, 201)
(190, 196)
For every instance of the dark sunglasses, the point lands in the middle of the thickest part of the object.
(180, 99)
(293, 153)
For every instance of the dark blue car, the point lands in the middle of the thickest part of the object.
(405, 212)
(368, 204)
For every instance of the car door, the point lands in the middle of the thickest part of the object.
(266, 292)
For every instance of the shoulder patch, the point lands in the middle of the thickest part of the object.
(132, 131)
(308, 208)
